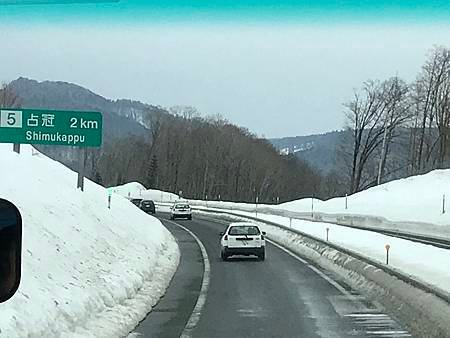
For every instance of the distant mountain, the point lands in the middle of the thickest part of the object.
(121, 118)
(317, 150)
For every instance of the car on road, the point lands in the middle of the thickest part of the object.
(181, 210)
(147, 206)
(243, 238)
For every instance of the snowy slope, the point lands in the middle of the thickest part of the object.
(415, 199)
(412, 205)
(87, 271)
(137, 190)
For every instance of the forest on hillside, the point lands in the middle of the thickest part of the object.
(208, 158)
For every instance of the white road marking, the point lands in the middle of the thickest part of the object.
(197, 312)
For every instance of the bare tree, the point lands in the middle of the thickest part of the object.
(431, 102)
(373, 116)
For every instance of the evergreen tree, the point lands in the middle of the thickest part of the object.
(152, 172)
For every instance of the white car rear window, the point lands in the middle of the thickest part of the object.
(250, 230)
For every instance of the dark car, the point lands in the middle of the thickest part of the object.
(147, 206)
(136, 201)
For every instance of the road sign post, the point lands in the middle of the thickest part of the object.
(82, 160)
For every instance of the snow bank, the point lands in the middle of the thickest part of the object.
(137, 190)
(416, 199)
(131, 189)
(87, 271)
(413, 204)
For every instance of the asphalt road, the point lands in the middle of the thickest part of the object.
(279, 297)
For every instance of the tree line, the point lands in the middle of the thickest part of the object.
(397, 129)
(207, 158)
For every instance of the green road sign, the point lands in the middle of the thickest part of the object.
(57, 127)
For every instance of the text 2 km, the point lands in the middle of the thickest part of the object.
(81, 123)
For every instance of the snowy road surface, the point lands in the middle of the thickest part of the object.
(279, 297)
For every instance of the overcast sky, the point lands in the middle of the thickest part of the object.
(276, 77)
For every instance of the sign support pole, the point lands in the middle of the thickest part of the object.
(81, 169)
(16, 147)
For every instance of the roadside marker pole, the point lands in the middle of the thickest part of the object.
(346, 205)
(312, 207)
(443, 203)
(110, 192)
(256, 206)
(328, 230)
(290, 222)
(387, 247)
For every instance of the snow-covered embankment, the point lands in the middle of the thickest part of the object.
(86, 270)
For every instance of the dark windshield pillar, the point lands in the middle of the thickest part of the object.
(10, 249)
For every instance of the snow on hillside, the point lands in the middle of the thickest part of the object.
(412, 204)
(87, 271)
(137, 190)
(414, 199)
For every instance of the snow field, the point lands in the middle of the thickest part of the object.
(87, 271)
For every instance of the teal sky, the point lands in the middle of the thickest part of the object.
(204, 11)
(279, 68)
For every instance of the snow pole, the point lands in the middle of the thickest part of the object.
(387, 247)
(443, 203)
(346, 205)
(328, 231)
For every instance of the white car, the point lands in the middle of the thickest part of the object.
(243, 238)
(181, 210)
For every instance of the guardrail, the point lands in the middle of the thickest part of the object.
(392, 271)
